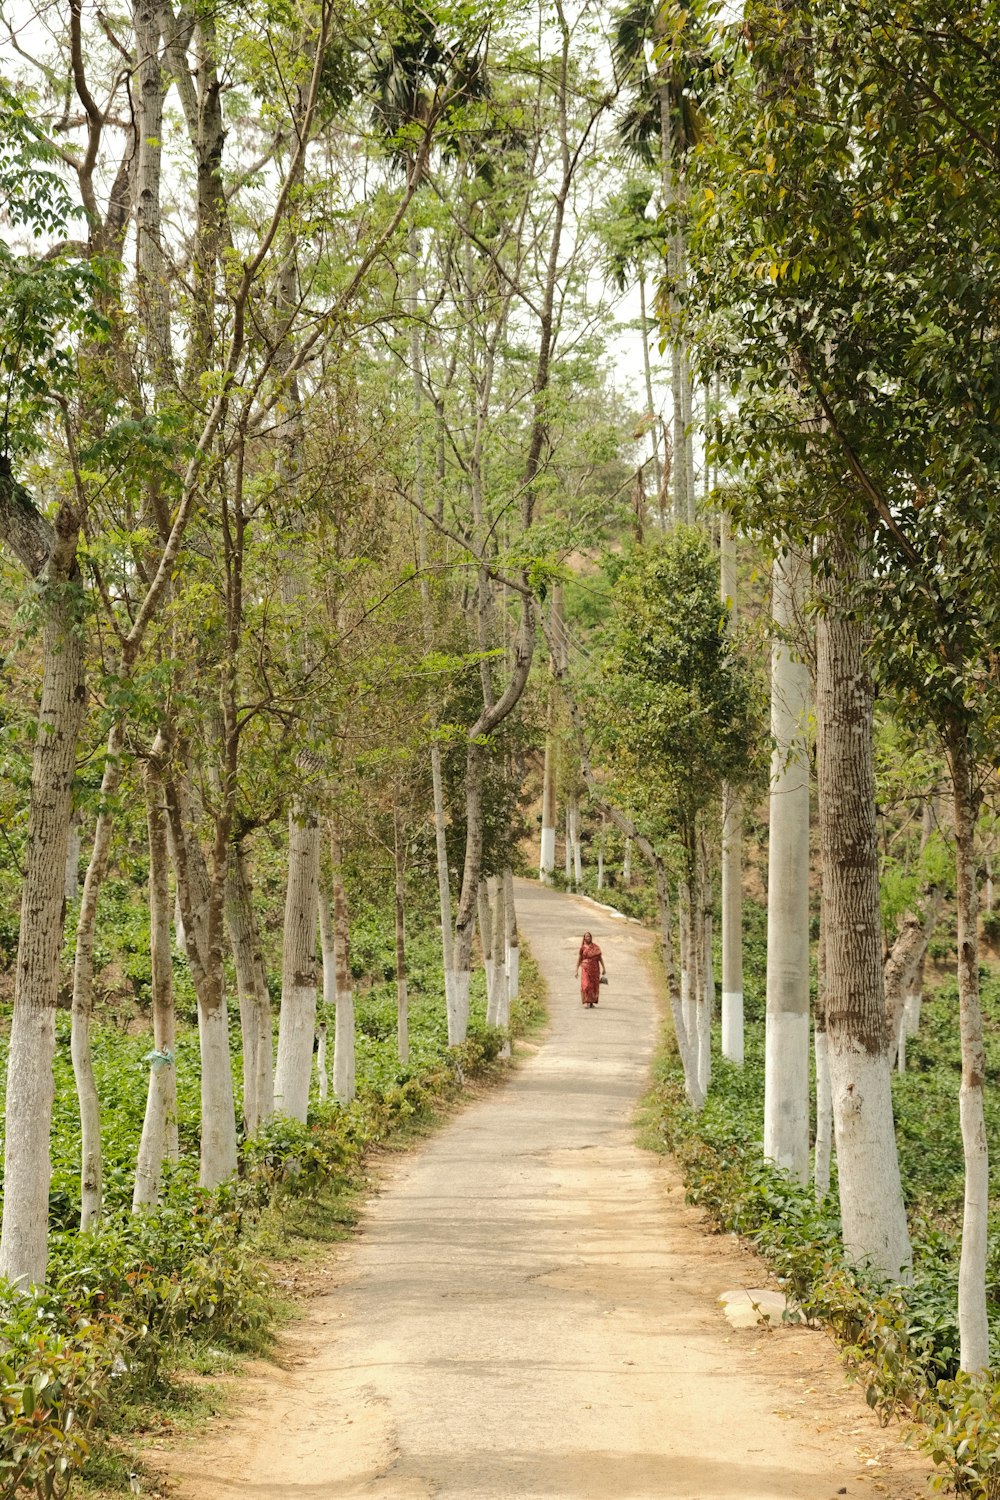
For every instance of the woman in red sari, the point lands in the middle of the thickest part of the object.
(590, 966)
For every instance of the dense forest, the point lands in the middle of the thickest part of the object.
(442, 444)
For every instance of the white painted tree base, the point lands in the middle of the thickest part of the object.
(871, 1199)
(786, 1092)
(547, 857)
(218, 1116)
(732, 1026)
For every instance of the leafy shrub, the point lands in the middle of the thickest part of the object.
(54, 1369)
(902, 1342)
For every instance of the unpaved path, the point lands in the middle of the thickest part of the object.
(531, 1310)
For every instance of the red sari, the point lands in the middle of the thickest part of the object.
(590, 973)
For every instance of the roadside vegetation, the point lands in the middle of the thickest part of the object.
(902, 1342)
(100, 1359)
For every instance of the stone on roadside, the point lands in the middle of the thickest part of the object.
(749, 1307)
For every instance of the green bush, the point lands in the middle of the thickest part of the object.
(55, 1367)
(902, 1342)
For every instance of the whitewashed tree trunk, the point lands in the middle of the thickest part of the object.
(873, 1218)
(28, 1117)
(322, 1077)
(513, 941)
(973, 1322)
(906, 958)
(218, 1110)
(91, 1196)
(568, 843)
(344, 1085)
(254, 997)
(202, 899)
(688, 1001)
(577, 846)
(402, 998)
(485, 916)
(627, 863)
(444, 882)
(600, 855)
(327, 945)
(786, 1048)
(705, 988)
(499, 999)
(732, 928)
(297, 1020)
(909, 1025)
(732, 843)
(159, 1127)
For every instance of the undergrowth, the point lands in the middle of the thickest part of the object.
(902, 1342)
(97, 1357)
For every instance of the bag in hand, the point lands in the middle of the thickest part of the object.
(604, 978)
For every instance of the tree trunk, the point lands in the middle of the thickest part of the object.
(153, 278)
(73, 857)
(972, 1309)
(906, 959)
(909, 1023)
(557, 662)
(513, 941)
(159, 1128)
(547, 855)
(202, 900)
(498, 1004)
(685, 933)
(687, 1045)
(28, 1116)
(254, 997)
(707, 998)
(824, 1099)
(786, 1051)
(322, 1077)
(485, 915)
(627, 864)
(732, 847)
(871, 1202)
(344, 1086)
(83, 991)
(180, 935)
(297, 1021)
(402, 1001)
(650, 410)
(444, 883)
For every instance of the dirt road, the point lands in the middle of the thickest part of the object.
(531, 1310)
